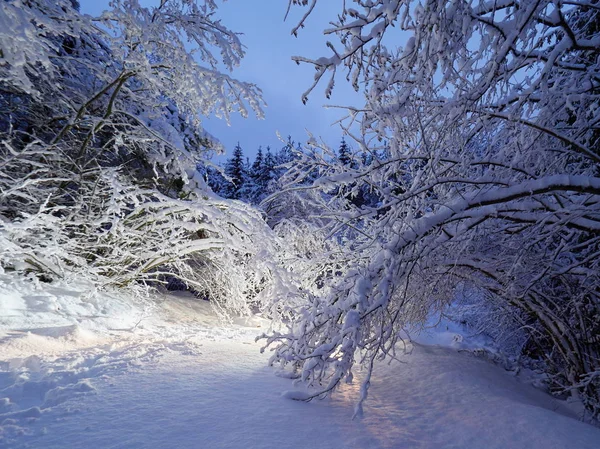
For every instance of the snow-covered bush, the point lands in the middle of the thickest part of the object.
(488, 116)
(100, 136)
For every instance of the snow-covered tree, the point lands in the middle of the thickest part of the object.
(257, 165)
(284, 157)
(491, 179)
(100, 137)
(344, 153)
(258, 180)
(236, 171)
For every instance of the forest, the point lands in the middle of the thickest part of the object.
(466, 184)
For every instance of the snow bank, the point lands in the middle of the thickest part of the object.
(75, 310)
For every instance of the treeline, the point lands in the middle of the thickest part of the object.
(249, 181)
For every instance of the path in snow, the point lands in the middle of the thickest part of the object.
(190, 384)
(218, 394)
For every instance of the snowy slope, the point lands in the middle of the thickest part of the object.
(174, 377)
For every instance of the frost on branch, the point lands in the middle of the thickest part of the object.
(482, 126)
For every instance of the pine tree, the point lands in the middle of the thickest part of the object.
(283, 158)
(236, 170)
(216, 181)
(286, 154)
(257, 165)
(268, 171)
(344, 153)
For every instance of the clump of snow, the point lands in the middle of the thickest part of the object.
(60, 394)
(296, 395)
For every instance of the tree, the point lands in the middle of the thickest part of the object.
(257, 165)
(215, 179)
(284, 157)
(100, 137)
(235, 169)
(268, 170)
(344, 153)
(492, 112)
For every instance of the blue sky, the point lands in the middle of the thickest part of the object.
(269, 48)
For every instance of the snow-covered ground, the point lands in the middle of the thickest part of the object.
(80, 369)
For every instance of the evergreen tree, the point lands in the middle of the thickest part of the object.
(216, 181)
(268, 170)
(257, 165)
(283, 157)
(344, 153)
(252, 182)
(366, 158)
(286, 154)
(235, 169)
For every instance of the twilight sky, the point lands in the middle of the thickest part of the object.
(269, 47)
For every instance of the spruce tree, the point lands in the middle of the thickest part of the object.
(344, 153)
(236, 170)
(268, 171)
(286, 154)
(257, 165)
(216, 181)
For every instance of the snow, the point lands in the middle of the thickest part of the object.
(113, 373)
